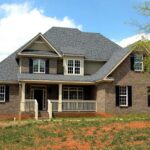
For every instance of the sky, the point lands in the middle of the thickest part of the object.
(21, 20)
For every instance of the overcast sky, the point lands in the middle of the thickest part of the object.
(20, 20)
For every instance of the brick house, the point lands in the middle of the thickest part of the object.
(75, 72)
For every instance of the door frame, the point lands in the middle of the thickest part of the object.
(43, 89)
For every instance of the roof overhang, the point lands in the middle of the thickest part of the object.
(8, 82)
(57, 82)
(36, 55)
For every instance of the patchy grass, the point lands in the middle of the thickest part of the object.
(117, 133)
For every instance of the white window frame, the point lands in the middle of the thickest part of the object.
(39, 63)
(73, 67)
(123, 95)
(76, 89)
(4, 93)
(138, 62)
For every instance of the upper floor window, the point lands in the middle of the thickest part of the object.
(38, 66)
(74, 67)
(138, 62)
(2, 93)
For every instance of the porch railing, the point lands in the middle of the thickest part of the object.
(30, 105)
(54, 105)
(75, 105)
(49, 110)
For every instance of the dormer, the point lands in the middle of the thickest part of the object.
(38, 56)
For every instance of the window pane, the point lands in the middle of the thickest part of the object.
(70, 63)
(77, 70)
(65, 95)
(70, 70)
(80, 94)
(2, 89)
(138, 66)
(42, 66)
(77, 67)
(138, 58)
(123, 100)
(35, 65)
(70, 66)
(77, 63)
(122, 90)
(73, 94)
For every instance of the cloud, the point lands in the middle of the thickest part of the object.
(130, 40)
(20, 22)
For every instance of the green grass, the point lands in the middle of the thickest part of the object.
(96, 133)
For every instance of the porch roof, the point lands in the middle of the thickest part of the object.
(53, 77)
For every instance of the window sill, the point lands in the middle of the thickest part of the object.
(122, 106)
(74, 74)
(139, 71)
(38, 72)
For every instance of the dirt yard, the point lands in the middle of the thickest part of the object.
(77, 134)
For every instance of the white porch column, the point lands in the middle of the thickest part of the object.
(60, 98)
(22, 96)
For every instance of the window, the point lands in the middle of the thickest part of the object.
(74, 67)
(39, 66)
(123, 96)
(138, 62)
(2, 93)
(73, 93)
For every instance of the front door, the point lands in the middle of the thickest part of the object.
(38, 95)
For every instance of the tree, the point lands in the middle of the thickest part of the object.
(143, 45)
(144, 10)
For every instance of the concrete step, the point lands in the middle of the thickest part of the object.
(43, 114)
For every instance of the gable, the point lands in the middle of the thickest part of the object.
(38, 45)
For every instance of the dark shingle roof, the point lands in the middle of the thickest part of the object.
(93, 45)
(9, 68)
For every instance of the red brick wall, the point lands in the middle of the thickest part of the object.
(123, 75)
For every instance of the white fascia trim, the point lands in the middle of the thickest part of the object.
(37, 55)
(9, 82)
(105, 80)
(56, 82)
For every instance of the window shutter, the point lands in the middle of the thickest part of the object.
(148, 100)
(132, 62)
(30, 65)
(47, 66)
(129, 96)
(7, 94)
(117, 95)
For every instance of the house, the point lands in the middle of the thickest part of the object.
(74, 71)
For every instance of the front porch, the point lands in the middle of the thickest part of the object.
(57, 98)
